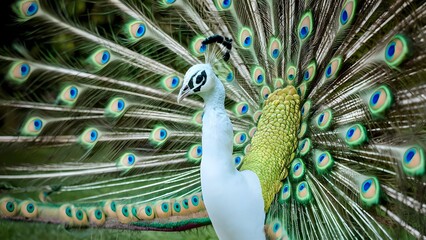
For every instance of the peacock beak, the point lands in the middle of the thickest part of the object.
(185, 91)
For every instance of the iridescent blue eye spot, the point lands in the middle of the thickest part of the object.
(328, 71)
(170, 1)
(148, 210)
(350, 132)
(275, 53)
(260, 78)
(230, 77)
(409, 155)
(304, 32)
(68, 212)
(244, 109)
(113, 207)
(321, 157)
(30, 208)
(306, 75)
(105, 57)
(343, 17)
(302, 145)
(175, 82)
(125, 211)
(141, 30)
(299, 92)
(242, 137)
(163, 134)
(199, 150)
(10, 206)
(79, 214)
(120, 105)
(276, 227)
(203, 48)
(301, 187)
(321, 118)
(32, 9)
(73, 92)
(98, 214)
(237, 160)
(285, 189)
(247, 41)
(302, 110)
(93, 135)
(37, 124)
(366, 185)
(25, 69)
(296, 167)
(185, 203)
(375, 97)
(194, 200)
(390, 50)
(130, 159)
(226, 3)
(291, 76)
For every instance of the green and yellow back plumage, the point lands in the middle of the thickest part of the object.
(327, 100)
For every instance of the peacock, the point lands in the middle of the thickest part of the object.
(206, 119)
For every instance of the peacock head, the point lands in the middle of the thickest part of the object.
(199, 79)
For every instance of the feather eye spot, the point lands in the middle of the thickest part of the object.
(194, 200)
(355, 135)
(370, 190)
(258, 75)
(305, 26)
(380, 100)
(304, 32)
(137, 29)
(413, 161)
(230, 77)
(89, 137)
(324, 119)
(19, 72)
(397, 50)
(241, 109)
(33, 126)
(245, 37)
(159, 135)
(171, 82)
(304, 146)
(29, 8)
(240, 139)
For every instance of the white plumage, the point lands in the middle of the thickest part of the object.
(233, 199)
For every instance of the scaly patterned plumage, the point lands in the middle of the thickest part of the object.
(92, 136)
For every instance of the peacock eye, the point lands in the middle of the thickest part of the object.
(252, 131)
(302, 130)
(29, 8)
(246, 37)
(347, 14)
(297, 169)
(126, 161)
(33, 126)
(301, 90)
(115, 107)
(195, 153)
(305, 109)
(333, 68)
(304, 146)
(19, 72)
(241, 109)
(305, 26)
(230, 77)
(380, 100)
(148, 210)
(197, 118)
(397, 50)
(195, 200)
(310, 71)
(258, 75)
(278, 83)
(100, 59)
(159, 135)
(223, 4)
(285, 192)
(264, 92)
(8, 207)
(28, 209)
(291, 73)
(324, 119)
(137, 29)
(355, 135)
(256, 115)
(324, 162)
(274, 48)
(413, 161)
(197, 47)
(370, 190)
(89, 137)
(303, 193)
(240, 139)
(169, 2)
